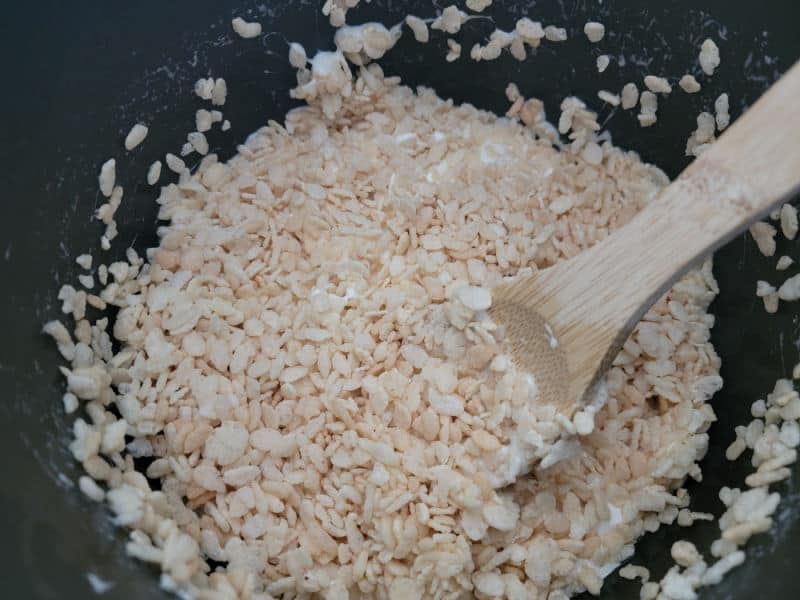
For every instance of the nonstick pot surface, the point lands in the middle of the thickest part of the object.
(79, 74)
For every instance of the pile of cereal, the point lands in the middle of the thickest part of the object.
(307, 362)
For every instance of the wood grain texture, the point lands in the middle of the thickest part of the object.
(593, 301)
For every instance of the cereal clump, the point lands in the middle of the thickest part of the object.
(307, 363)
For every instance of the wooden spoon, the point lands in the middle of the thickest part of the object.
(568, 322)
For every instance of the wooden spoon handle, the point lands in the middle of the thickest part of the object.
(593, 300)
(752, 168)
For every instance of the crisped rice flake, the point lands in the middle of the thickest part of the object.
(602, 62)
(633, 572)
(107, 177)
(531, 32)
(336, 10)
(784, 262)
(555, 34)
(608, 97)
(84, 261)
(703, 136)
(478, 5)
(175, 164)
(135, 136)
(198, 142)
(154, 173)
(648, 103)
(721, 109)
(790, 289)
(297, 58)
(594, 31)
(219, 92)
(709, 56)
(364, 43)
(246, 29)
(657, 85)
(764, 236)
(789, 225)
(204, 88)
(450, 20)
(419, 28)
(629, 96)
(689, 84)
(453, 50)
(203, 121)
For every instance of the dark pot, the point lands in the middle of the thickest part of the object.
(77, 75)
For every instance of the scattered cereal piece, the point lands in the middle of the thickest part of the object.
(86, 281)
(419, 28)
(204, 88)
(198, 142)
(771, 302)
(59, 333)
(336, 10)
(764, 288)
(685, 553)
(478, 5)
(532, 111)
(512, 92)
(649, 591)
(608, 97)
(219, 93)
(721, 108)
(70, 402)
(709, 57)
(594, 31)
(790, 289)
(555, 34)
(450, 21)
(226, 125)
(735, 450)
(154, 173)
(454, 50)
(84, 261)
(175, 164)
(245, 29)
(629, 96)
(90, 488)
(703, 136)
(108, 174)
(764, 237)
(202, 120)
(297, 56)
(657, 85)
(689, 84)
(789, 221)
(686, 518)
(649, 105)
(602, 62)
(517, 47)
(531, 32)
(717, 571)
(136, 136)
(367, 42)
(630, 571)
